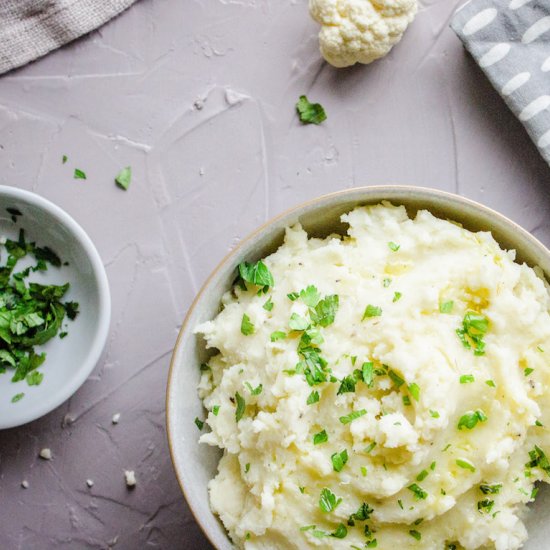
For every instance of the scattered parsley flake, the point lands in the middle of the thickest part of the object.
(418, 492)
(328, 501)
(528, 371)
(310, 296)
(247, 327)
(538, 460)
(321, 437)
(64, 159)
(465, 465)
(490, 489)
(254, 391)
(538, 423)
(310, 113)
(247, 468)
(474, 328)
(422, 475)
(371, 311)
(467, 379)
(241, 406)
(415, 534)
(490, 383)
(293, 296)
(199, 423)
(367, 372)
(434, 414)
(297, 322)
(414, 390)
(485, 506)
(471, 419)
(215, 410)
(324, 312)
(446, 307)
(34, 378)
(386, 282)
(352, 416)
(396, 296)
(539, 348)
(256, 274)
(370, 447)
(393, 247)
(17, 397)
(406, 401)
(124, 178)
(268, 306)
(302, 490)
(313, 398)
(340, 532)
(277, 335)
(400, 503)
(79, 174)
(347, 385)
(363, 471)
(339, 460)
(396, 379)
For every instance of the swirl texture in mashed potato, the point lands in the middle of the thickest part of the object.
(389, 389)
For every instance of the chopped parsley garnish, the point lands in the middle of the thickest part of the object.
(363, 471)
(467, 379)
(485, 506)
(471, 419)
(367, 371)
(396, 379)
(254, 391)
(490, 383)
(419, 493)
(539, 348)
(319, 438)
(446, 307)
(302, 490)
(422, 475)
(363, 514)
(352, 416)
(256, 274)
(297, 322)
(79, 174)
(17, 397)
(328, 501)
(474, 328)
(247, 327)
(247, 468)
(293, 296)
(278, 335)
(313, 397)
(396, 296)
(215, 410)
(386, 283)
(490, 489)
(241, 406)
(199, 423)
(34, 378)
(432, 466)
(325, 311)
(538, 460)
(528, 371)
(393, 247)
(406, 401)
(414, 390)
(310, 113)
(310, 296)
(124, 178)
(415, 534)
(340, 532)
(268, 306)
(434, 414)
(339, 460)
(371, 311)
(370, 447)
(400, 503)
(64, 159)
(538, 423)
(465, 465)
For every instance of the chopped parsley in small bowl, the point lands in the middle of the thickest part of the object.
(54, 306)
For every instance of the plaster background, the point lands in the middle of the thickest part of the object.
(198, 97)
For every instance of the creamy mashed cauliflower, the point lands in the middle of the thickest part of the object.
(386, 389)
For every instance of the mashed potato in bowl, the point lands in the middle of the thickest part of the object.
(385, 389)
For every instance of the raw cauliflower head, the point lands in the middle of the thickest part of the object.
(360, 31)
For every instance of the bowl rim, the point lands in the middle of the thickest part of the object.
(103, 298)
(489, 212)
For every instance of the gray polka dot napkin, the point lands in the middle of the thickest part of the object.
(510, 40)
(30, 29)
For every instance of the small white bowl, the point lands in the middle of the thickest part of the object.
(196, 464)
(69, 361)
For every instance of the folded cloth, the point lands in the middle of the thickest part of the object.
(510, 41)
(30, 29)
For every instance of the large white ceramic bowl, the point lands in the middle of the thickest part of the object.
(69, 361)
(196, 464)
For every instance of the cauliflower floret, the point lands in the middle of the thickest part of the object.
(360, 31)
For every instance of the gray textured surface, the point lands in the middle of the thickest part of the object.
(198, 97)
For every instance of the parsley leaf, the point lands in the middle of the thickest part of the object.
(241, 406)
(396, 296)
(415, 534)
(490, 489)
(247, 327)
(352, 416)
(79, 174)
(313, 398)
(17, 397)
(418, 492)
(471, 419)
(268, 306)
(538, 460)
(321, 437)
(393, 247)
(474, 328)
(414, 390)
(254, 391)
(446, 307)
(278, 335)
(467, 379)
(310, 113)
(325, 311)
(297, 322)
(310, 296)
(256, 274)
(124, 178)
(34, 378)
(371, 311)
(466, 465)
(339, 460)
(328, 501)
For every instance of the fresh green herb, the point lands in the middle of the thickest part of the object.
(367, 372)
(34, 378)
(302, 490)
(328, 501)
(474, 328)
(432, 466)
(386, 283)
(465, 465)
(17, 397)
(371, 311)
(298, 322)
(490, 383)
(340, 532)
(490, 489)
(397, 296)
(538, 460)
(199, 423)
(528, 371)
(363, 514)
(79, 174)
(347, 385)
(215, 410)
(396, 379)
(254, 391)
(363, 471)
(268, 306)
(485, 506)
(352, 416)
(324, 312)
(310, 296)
(371, 544)
(534, 493)
(278, 335)
(63, 334)
(471, 419)
(319, 438)
(434, 414)
(310, 113)
(241, 406)
(293, 296)
(339, 460)
(406, 401)
(538, 423)
(313, 398)
(414, 390)
(394, 247)
(124, 178)
(370, 447)
(467, 379)
(256, 274)
(415, 534)
(247, 327)
(446, 307)
(539, 348)
(418, 492)
(422, 475)
(64, 159)
(400, 503)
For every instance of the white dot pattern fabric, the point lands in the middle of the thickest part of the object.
(510, 40)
